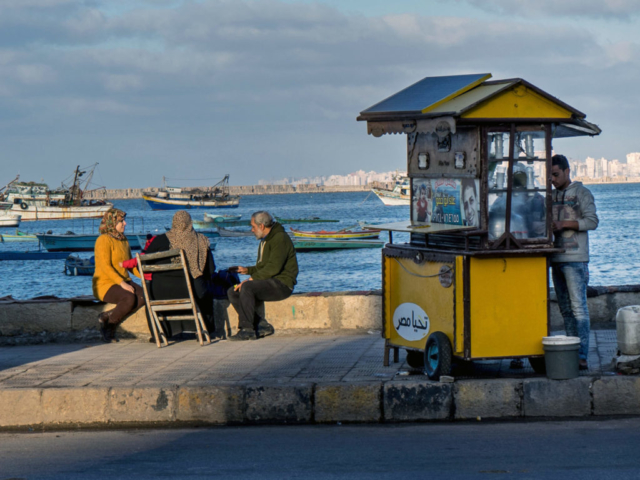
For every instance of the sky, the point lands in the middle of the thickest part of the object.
(266, 89)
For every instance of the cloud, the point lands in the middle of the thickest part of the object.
(249, 79)
(614, 9)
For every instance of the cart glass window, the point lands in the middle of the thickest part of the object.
(528, 188)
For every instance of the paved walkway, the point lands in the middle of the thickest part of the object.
(278, 359)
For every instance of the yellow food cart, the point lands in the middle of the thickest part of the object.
(472, 282)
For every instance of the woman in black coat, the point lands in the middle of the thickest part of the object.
(200, 264)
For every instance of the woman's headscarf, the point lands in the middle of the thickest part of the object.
(109, 222)
(195, 245)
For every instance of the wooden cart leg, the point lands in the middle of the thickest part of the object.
(385, 361)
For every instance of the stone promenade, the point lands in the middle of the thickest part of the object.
(284, 379)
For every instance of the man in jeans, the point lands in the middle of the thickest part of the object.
(574, 214)
(272, 277)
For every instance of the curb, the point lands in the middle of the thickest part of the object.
(317, 403)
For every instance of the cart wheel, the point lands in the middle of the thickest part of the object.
(437, 356)
(415, 359)
(538, 365)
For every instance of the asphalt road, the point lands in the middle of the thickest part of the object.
(606, 449)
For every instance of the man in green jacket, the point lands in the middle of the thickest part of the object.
(272, 277)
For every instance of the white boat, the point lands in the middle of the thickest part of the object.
(35, 201)
(400, 195)
(176, 198)
(8, 219)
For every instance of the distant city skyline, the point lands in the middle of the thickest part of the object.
(580, 168)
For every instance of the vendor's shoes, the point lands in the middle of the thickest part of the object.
(583, 365)
(265, 329)
(243, 335)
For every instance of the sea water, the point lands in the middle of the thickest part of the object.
(613, 245)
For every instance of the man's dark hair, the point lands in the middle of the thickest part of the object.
(469, 183)
(561, 161)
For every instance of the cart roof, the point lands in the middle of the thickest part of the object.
(474, 99)
(427, 93)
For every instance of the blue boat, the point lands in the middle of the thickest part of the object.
(74, 265)
(71, 242)
(32, 255)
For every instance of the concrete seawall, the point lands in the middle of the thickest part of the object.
(283, 379)
(131, 193)
(50, 319)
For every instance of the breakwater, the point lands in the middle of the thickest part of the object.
(132, 193)
(51, 319)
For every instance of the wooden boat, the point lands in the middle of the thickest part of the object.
(17, 237)
(216, 217)
(399, 195)
(292, 221)
(176, 198)
(340, 234)
(281, 221)
(32, 255)
(72, 242)
(224, 232)
(35, 201)
(8, 219)
(309, 245)
(74, 265)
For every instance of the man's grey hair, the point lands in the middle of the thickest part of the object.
(263, 218)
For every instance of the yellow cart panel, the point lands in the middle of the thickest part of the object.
(416, 304)
(508, 300)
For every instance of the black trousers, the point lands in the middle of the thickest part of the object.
(252, 294)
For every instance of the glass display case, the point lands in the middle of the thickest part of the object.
(517, 182)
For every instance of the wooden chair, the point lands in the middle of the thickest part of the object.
(171, 310)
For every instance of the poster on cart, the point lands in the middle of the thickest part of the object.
(450, 201)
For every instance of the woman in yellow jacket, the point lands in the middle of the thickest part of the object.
(111, 282)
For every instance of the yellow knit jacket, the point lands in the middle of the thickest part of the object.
(109, 252)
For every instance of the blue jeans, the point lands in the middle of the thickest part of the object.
(570, 281)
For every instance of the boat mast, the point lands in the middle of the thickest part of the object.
(75, 186)
(7, 186)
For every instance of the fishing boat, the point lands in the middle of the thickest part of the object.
(32, 255)
(399, 195)
(8, 219)
(17, 237)
(309, 245)
(216, 217)
(72, 242)
(35, 201)
(225, 232)
(74, 265)
(345, 234)
(177, 198)
(291, 221)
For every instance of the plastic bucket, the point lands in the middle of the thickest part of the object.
(561, 356)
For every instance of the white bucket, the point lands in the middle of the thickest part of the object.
(628, 329)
